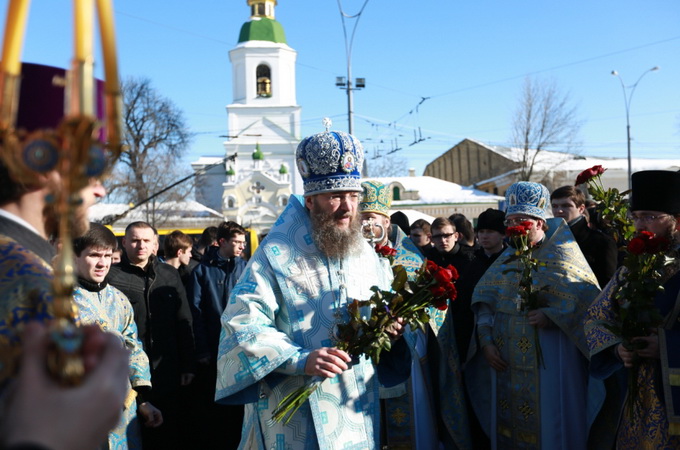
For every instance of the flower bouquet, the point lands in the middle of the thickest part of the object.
(527, 298)
(636, 314)
(366, 333)
(612, 204)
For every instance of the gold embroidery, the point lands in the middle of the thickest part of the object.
(398, 417)
(526, 410)
(524, 344)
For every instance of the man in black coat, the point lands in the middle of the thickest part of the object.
(164, 323)
(599, 249)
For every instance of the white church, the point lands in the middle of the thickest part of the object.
(264, 128)
(264, 131)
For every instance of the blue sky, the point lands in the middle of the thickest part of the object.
(468, 58)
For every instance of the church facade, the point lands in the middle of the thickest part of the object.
(253, 187)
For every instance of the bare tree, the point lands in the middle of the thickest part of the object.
(545, 119)
(390, 165)
(156, 137)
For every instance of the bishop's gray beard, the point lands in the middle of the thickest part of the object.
(332, 241)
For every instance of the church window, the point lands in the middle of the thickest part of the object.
(283, 200)
(396, 193)
(264, 81)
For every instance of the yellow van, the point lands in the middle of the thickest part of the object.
(251, 238)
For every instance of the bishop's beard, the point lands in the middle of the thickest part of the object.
(331, 240)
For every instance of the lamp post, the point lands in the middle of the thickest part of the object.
(627, 99)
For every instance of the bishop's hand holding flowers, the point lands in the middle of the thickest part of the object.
(375, 323)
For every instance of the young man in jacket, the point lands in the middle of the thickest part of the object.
(163, 319)
(209, 288)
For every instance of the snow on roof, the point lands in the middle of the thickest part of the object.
(432, 190)
(414, 215)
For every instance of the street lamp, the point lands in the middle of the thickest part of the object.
(627, 99)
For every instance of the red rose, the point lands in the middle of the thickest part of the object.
(385, 250)
(441, 304)
(443, 276)
(588, 174)
(646, 235)
(657, 245)
(438, 291)
(454, 272)
(451, 291)
(527, 224)
(518, 230)
(431, 266)
(636, 246)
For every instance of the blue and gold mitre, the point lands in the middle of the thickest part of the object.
(377, 198)
(330, 162)
(530, 199)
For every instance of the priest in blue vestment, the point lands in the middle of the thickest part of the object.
(655, 419)
(521, 399)
(278, 326)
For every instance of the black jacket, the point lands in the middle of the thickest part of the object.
(598, 248)
(459, 256)
(461, 309)
(208, 291)
(163, 318)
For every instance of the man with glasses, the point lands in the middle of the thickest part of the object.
(655, 208)
(278, 325)
(447, 250)
(524, 400)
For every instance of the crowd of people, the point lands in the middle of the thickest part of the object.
(215, 343)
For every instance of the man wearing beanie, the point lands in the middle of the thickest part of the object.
(278, 324)
(655, 421)
(530, 399)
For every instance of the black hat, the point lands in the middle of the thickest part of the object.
(656, 190)
(491, 219)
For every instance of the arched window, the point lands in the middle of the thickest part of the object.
(230, 202)
(283, 200)
(264, 81)
(396, 193)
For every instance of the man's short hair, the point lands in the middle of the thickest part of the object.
(574, 194)
(208, 237)
(463, 226)
(140, 224)
(441, 222)
(422, 224)
(228, 230)
(175, 242)
(98, 236)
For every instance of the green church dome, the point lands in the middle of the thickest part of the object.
(257, 154)
(262, 29)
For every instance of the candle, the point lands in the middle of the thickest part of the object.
(15, 28)
(84, 18)
(108, 38)
(113, 95)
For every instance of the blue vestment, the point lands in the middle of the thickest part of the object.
(529, 405)
(112, 312)
(284, 306)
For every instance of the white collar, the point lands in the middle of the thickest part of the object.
(14, 218)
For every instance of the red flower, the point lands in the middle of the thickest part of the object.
(438, 291)
(518, 230)
(441, 304)
(432, 266)
(637, 246)
(454, 272)
(451, 291)
(527, 224)
(385, 250)
(646, 235)
(443, 276)
(657, 245)
(587, 174)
